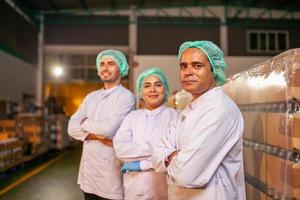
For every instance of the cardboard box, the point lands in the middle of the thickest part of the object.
(32, 128)
(255, 126)
(254, 194)
(283, 130)
(8, 123)
(4, 135)
(281, 175)
(255, 164)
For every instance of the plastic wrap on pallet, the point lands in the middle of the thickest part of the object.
(279, 175)
(275, 80)
(253, 193)
(269, 97)
(255, 127)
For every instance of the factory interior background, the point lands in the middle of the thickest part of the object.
(48, 52)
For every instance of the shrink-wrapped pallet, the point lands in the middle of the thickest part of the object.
(269, 97)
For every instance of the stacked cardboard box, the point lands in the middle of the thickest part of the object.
(57, 126)
(10, 153)
(31, 131)
(269, 97)
(8, 128)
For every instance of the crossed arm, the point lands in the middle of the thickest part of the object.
(83, 128)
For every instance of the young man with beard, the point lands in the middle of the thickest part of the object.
(96, 122)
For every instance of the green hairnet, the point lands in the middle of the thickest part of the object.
(214, 55)
(119, 58)
(155, 72)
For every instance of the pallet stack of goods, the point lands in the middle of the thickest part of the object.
(269, 97)
(31, 130)
(11, 150)
(57, 126)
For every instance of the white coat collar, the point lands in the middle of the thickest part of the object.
(105, 93)
(155, 112)
(192, 106)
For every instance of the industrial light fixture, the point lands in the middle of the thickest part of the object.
(58, 71)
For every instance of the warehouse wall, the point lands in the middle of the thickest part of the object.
(163, 35)
(17, 77)
(86, 30)
(17, 36)
(237, 34)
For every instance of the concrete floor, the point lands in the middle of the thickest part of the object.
(56, 182)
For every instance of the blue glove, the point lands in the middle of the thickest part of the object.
(131, 166)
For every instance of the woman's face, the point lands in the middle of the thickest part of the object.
(153, 92)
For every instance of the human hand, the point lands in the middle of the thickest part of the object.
(106, 141)
(170, 157)
(100, 138)
(91, 136)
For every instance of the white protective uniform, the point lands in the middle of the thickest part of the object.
(134, 141)
(209, 164)
(99, 171)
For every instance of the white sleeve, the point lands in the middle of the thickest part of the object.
(108, 126)
(126, 149)
(167, 145)
(202, 151)
(146, 164)
(74, 127)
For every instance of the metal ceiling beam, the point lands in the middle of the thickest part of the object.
(83, 4)
(211, 12)
(186, 11)
(161, 10)
(24, 11)
(262, 14)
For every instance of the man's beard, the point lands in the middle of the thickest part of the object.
(111, 80)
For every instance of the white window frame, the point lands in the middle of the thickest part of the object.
(267, 32)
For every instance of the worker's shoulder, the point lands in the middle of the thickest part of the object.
(173, 114)
(93, 94)
(124, 91)
(135, 114)
(227, 109)
(222, 104)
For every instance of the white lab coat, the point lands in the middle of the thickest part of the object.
(209, 164)
(134, 141)
(99, 171)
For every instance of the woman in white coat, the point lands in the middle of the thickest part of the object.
(139, 132)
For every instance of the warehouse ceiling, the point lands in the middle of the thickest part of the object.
(36, 6)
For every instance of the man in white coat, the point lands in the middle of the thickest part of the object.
(96, 122)
(202, 151)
